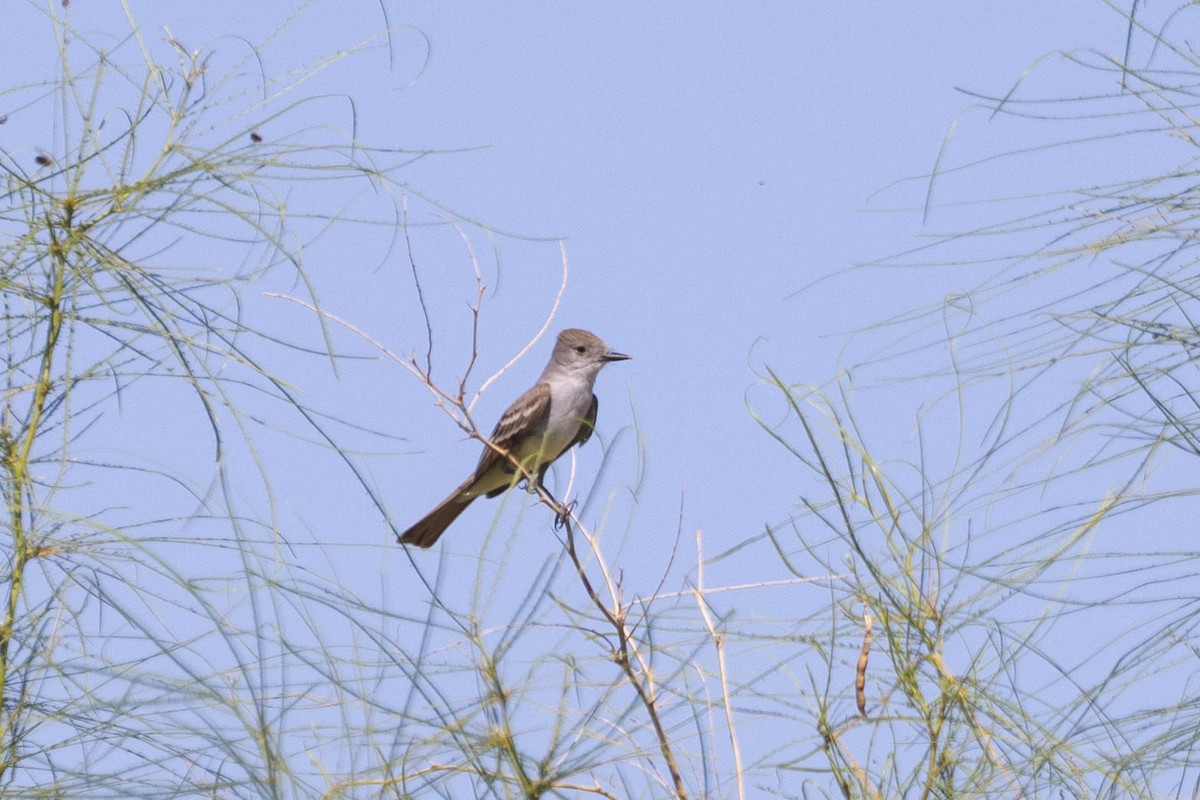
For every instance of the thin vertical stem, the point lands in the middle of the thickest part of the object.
(17, 457)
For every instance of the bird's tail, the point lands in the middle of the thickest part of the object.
(434, 524)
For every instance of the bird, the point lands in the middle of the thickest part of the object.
(558, 412)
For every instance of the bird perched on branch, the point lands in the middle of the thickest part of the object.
(557, 413)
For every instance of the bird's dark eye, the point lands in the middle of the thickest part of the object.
(580, 349)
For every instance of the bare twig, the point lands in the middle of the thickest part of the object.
(718, 638)
(412, 262)
(476, 308)
(642, 682)
(562, 287)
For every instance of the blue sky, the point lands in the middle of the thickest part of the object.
(703, 167)
(715, 174)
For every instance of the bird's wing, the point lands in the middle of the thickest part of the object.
(527, 414)
(589, 424)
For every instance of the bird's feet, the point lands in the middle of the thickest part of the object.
(565, 510)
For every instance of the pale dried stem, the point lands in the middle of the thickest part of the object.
(718, 638)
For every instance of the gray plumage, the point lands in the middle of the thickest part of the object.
(557, 413)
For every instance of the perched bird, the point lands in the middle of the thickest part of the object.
(558, 412)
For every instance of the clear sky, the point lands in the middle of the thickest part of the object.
(704, 167)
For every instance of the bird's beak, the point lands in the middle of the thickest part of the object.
(611, 356)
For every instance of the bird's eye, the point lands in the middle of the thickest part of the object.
(580, 349)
